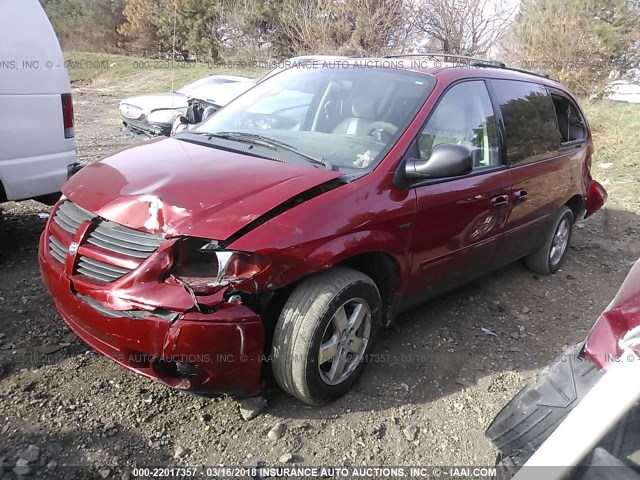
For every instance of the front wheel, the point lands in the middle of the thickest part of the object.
(548, 258)
(323, 334)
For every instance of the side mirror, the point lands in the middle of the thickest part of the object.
(179, 125)
(446, 160)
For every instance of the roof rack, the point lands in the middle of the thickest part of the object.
(537, 73)
(472, 61)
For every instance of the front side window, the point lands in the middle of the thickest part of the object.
(531, 129)
(345, 118)
(464, 116)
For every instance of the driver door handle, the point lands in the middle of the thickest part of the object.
(521, 195)
(499, 201)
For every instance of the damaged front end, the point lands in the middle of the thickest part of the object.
(132, 259)
(204, 267)
(172, 309)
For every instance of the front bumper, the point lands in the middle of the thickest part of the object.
(141, 130)
(217, 352)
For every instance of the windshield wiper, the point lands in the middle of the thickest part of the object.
(256, 139)
(193, 132)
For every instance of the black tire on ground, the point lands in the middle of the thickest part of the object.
(542, 261)
(534, 413)
(310, 318)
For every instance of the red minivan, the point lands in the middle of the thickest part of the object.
(285, 231)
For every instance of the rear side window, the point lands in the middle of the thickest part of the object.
(531, 130)
(572, 127)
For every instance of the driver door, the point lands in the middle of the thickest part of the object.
(459, 220)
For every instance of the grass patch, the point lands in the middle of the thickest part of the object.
(137, 74)
(616, 163)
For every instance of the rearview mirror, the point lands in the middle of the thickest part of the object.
(446, 160)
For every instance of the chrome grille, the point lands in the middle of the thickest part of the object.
(100, 270)
(124, 241)
(58, 250)
(69, 217)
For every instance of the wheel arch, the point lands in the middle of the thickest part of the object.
(380, 266)
(577, 206)
(383, 269)
(378, 254)
(383, 257)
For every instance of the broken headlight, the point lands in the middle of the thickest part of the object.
(204, 267)
(163, 117)
(130, 111)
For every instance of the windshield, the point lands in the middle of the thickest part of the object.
(343, 118)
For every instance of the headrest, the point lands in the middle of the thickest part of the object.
(362, 107)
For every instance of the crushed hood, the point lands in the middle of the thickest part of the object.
(220, 94)
(175, 187)
(158, 101)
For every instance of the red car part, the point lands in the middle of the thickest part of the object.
(596, 197)
(619, 325)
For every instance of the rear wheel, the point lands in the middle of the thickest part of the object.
(548, 258)
(324, 333)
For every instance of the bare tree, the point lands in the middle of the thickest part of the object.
(355, 27)
(378, 26)
(249, 26)
(309, 25)
(463, 27)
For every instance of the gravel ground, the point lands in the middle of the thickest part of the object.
(435, 383)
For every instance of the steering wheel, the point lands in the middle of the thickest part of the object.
(390, 128)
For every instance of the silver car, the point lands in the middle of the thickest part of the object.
(153, 114)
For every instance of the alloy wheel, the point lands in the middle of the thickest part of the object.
(344, 341)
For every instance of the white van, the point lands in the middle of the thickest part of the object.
(37, 144)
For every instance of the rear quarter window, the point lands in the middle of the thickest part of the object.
(571, 125)
(531, 129)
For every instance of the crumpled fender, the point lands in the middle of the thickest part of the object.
(286, 266)
(315, 235)
(340, 249)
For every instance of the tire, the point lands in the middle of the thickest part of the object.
(534, 414)
(311, 318)
(548, 258)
